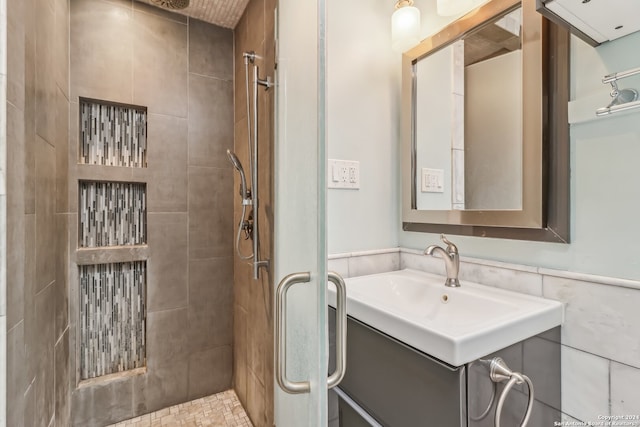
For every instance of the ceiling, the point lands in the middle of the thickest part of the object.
(225, 13)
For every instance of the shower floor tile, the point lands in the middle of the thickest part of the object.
(220, 410)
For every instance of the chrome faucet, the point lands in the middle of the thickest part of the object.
(451, 260)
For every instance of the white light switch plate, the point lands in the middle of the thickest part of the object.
(344, 174)
(432, 180)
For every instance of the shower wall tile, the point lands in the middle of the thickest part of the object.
(256, 401)
(211, 50)
(168, 262)
(15, 216)
(167, 164)
(255, 19)
(15, 54)
(239, 90)
(210, 218)
(210, 371)
(44, 342)
(61, 285)
(35, 132)
(45, 210)
(103, 403)
(167, 342)
(16, 375)
(211, 280)
(62, 397)
(100, 68)
(240, 369)
(160, 41)
(30, 405)
(30, 106)
(30, 326)
(46, 74)
(62, 152)
(72, 158)
(210, 123)
(210, 325)
(62, 45)
(161, 387)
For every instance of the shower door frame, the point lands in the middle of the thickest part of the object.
(300, 242)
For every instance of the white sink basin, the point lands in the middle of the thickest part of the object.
(455, 325)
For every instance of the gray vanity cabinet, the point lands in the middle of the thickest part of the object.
(391, 384)
(398, 385)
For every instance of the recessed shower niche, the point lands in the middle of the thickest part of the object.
(112, 134)
(113, 317)
(112, 238)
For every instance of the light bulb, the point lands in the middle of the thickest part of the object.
(405, 26)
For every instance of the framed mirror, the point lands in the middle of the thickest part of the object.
(484, 127)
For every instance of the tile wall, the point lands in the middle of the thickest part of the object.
(3, 212)
(181, 70)
(37, 111)
(253, 314)
(600, 351)
(112, 318)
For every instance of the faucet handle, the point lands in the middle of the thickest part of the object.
(451, 247)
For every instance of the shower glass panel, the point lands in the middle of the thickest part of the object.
(300, 207)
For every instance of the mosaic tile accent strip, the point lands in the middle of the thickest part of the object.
(112, 214)
(221, 410)
(112, 318)
(112, 135)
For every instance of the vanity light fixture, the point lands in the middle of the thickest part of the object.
(454, 7)
(405, 26)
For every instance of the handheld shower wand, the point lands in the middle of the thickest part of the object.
(245, 193)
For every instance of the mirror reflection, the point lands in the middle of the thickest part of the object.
(468, 121)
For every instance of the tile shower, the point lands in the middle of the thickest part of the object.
(120, 297)
(121, 115)
(151, 119)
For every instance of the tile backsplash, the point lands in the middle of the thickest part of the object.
(112, 214)
(600, 348)
(112, 318)
(112, 135)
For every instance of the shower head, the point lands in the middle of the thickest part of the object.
(172, 4)
(243, 180)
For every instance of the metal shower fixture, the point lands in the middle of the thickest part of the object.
(621, 99)
(172, 4)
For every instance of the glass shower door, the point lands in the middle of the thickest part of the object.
(300, 213)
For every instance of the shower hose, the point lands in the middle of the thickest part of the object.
(500, 372)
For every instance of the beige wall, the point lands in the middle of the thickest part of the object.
(253, 316)
(182, 70)
(37, 292)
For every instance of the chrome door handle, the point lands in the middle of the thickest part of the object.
(341, 330)
(281, 329)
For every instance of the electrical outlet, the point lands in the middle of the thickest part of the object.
(344, 174)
